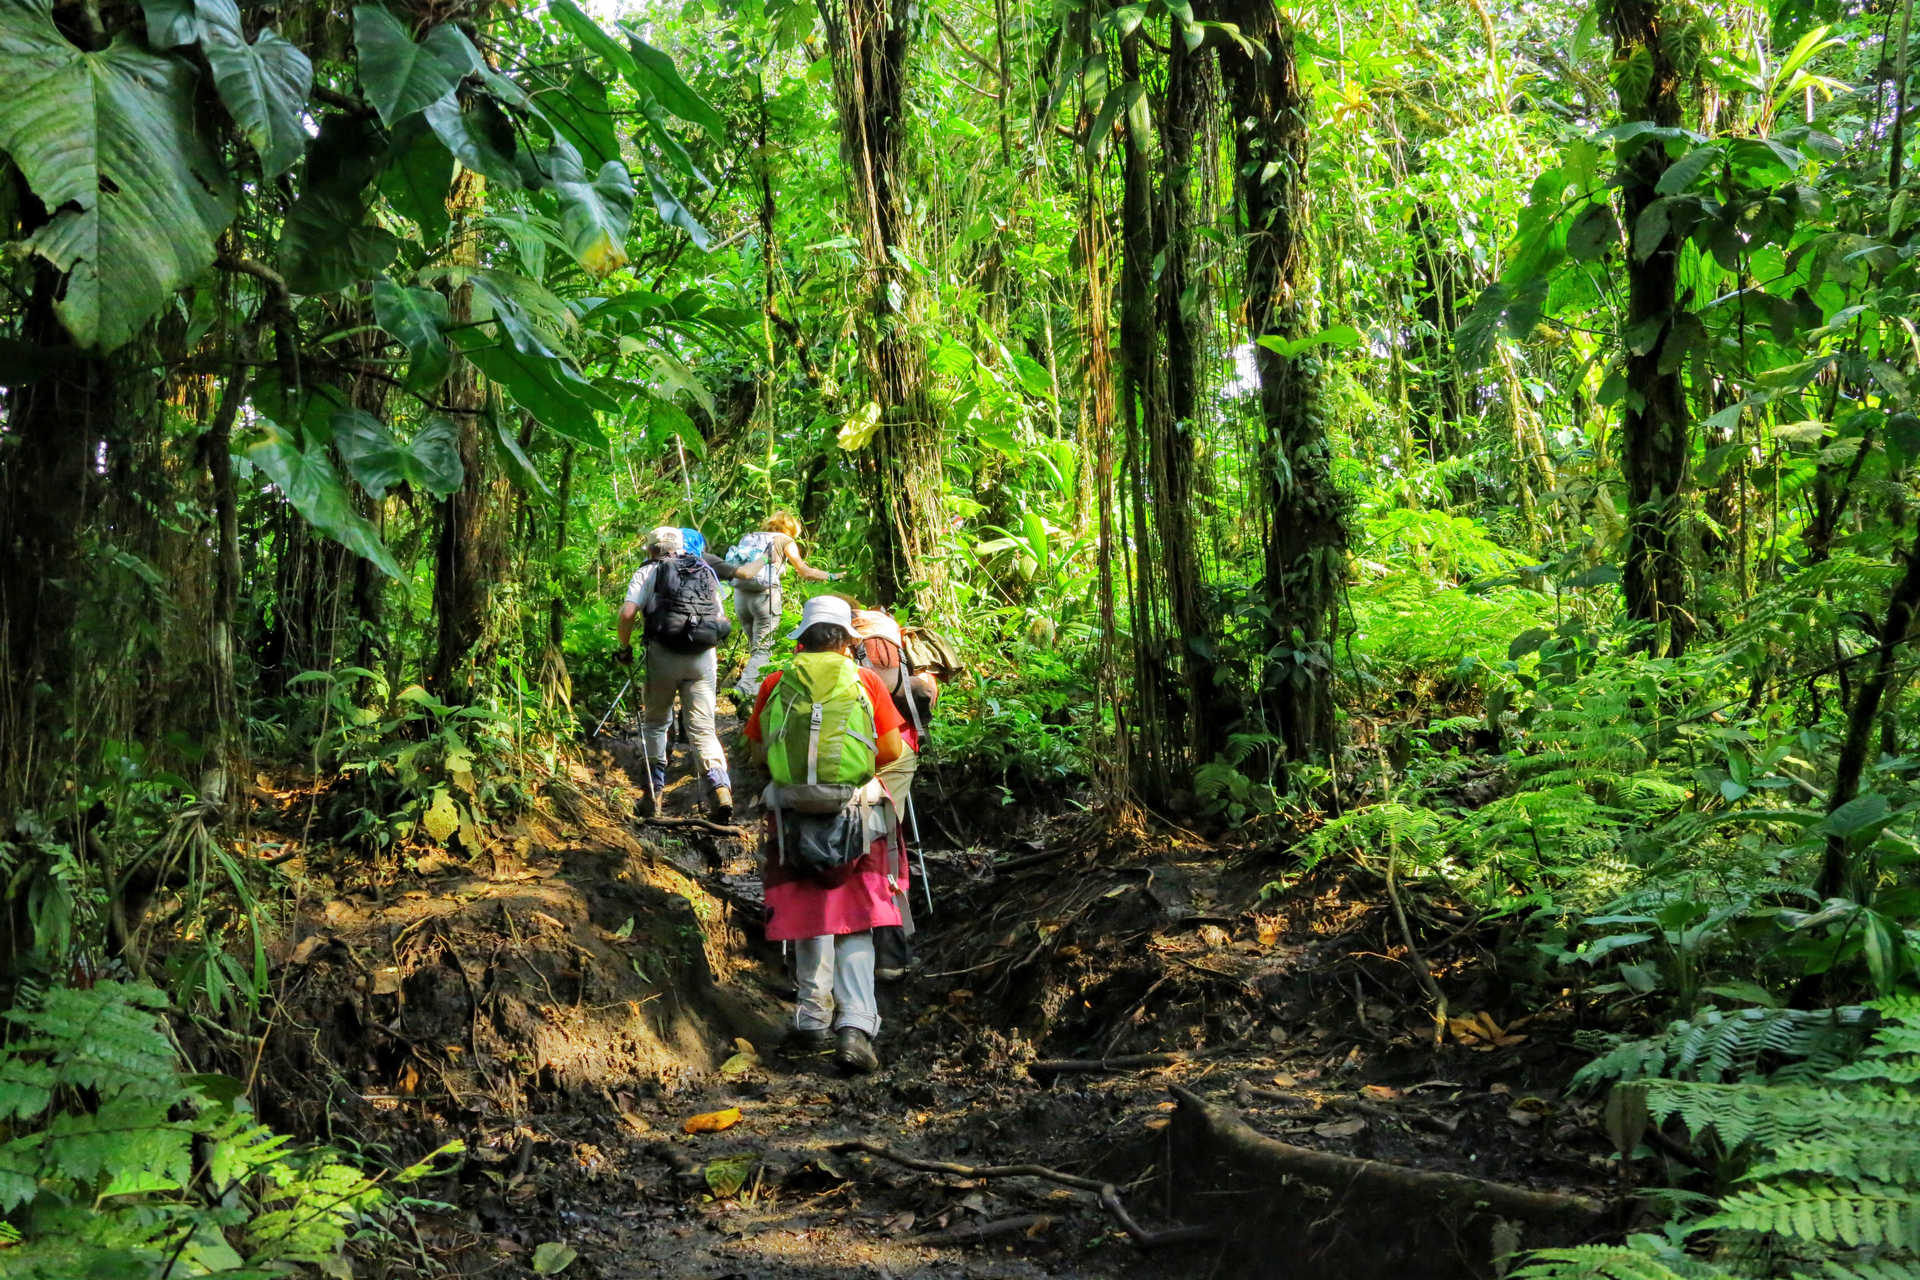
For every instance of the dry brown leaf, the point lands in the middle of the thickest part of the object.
(1340, 1128)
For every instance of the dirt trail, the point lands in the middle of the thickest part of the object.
(565, 1003)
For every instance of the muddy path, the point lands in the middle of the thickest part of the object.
(564, 1002)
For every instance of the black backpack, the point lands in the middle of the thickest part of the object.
(684, 615)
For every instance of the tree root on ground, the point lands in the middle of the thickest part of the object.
(1127, 1062)
(1227, 1138)
(973, 1232)
(1105, 1192)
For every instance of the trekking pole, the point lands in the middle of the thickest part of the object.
(920, 855)
(615, 707)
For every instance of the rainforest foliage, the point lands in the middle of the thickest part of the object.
(1473, 442)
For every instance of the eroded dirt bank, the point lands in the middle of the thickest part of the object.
(565, 1002)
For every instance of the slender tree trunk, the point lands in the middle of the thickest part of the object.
(1307, 515)
(1655, 443)
(869, 41)
(1156, 717)
(470, 541)
(218, 447)
(1188, 102)
(1837, 877)
(557, 607)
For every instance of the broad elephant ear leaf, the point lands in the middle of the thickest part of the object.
(674, 213)
(308, 480)
(594, 216)
(109, 142)
(418, 317)
(400, 77)
(381, 461)
(264, 87)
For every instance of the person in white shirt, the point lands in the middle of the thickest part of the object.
(678, 597)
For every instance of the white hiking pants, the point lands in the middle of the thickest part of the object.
(835, 977)
(759, 615)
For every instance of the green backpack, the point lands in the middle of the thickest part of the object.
(818, 724)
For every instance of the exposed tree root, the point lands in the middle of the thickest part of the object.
(1228, 1138)
(1108, 1194)
(973, 1232)
(1126, 1062)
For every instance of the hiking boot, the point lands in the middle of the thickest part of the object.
(645, 806)
(856, 1056)
(722, 807)
(810, 1040)
(889, 974)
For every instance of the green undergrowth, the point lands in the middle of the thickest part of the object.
(116, 1162)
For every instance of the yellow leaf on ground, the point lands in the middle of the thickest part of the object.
(712, 1121)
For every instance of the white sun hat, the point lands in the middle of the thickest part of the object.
(666, 541)
(824, 609)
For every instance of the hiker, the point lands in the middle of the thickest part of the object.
(679, 598)
(723, 569)
(830, 738)
(757, 598)
(879, 649)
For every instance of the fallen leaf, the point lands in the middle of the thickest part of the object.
(726, 1177)
(1522, 1117)
(1340, 1128)
(712, 1121)
(1381, 1092)
(551, 1258)
(1156, 1123)
(308, 945)
(899, 1224)
(386, 981)
(740, 1063)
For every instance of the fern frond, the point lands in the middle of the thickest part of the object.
(1873, 1155)
(1853, 1214)
(1613, 1262)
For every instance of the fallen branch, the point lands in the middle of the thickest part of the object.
(1106, 1192)
(977, 1231)
(1231, 1139)
(699, 824)
(1030, 860)
(1125, 1062)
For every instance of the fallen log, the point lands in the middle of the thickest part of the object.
(1229, 1138)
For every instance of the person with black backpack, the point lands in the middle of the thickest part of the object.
(678, 597)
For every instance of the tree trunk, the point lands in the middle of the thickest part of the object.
(868, 40)
(1654, 422)
(1306, 514)
(1188, 102)
(1155, 696)
(470, 546)
(54, 425)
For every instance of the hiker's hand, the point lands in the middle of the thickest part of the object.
(835, 577)
(624, 655)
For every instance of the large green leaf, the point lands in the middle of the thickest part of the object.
(480, 137)
(518, 466)
(326, 243)
(673, 213)
(578, 110)
(418, 317)
(381, 461)
(594, 216)
(662, 79)
(263, 85)
(400, 77)
(418, 175)
(108, 141)
(543, 384)
(307, 478)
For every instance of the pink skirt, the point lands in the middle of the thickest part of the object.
(799, 906)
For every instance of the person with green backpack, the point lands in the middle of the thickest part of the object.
(829, 735)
